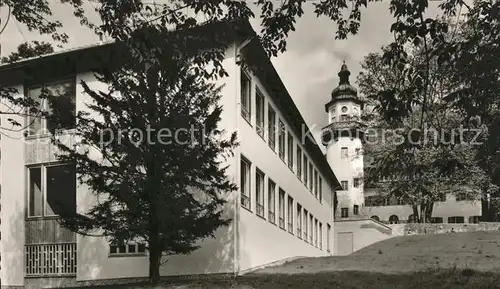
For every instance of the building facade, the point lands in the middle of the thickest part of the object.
(344, 138)
(285, 193)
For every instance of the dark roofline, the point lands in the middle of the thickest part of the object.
(90, 57)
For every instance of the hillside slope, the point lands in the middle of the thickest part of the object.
(475, 250)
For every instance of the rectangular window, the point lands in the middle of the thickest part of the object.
(290, 214)
(357, 182)
(290, 151)
(344, 117)
(271, 200)
(246, 95)
(60, 106)
(259, 192)
(344, 212)
(344, 153)
(281, 139)
(316, 232)
(127, 249)
(358, 152)
(328, 229)
(271, 127)
(305, 169)
(311, 177)
(316, 184)
(320, 185)
(299, 162)
(311, 231)
(299, 221)
(281, 204)
(305, 225)
(259, 113)
(52, 190)
(345, 185)
(456, 220)
(355, 210)
(320, 236)
(245, 183)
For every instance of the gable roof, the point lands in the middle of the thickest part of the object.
(90, 57)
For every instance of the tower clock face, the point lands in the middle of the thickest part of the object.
(344, 109)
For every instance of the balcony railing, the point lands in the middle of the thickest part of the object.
(271, 218)
(260, 129)
(50, 259)
(290, 228)
(260, 210)
(282, 223)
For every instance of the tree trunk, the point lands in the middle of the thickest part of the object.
(428, 213)
(415, 212)
(154, 261)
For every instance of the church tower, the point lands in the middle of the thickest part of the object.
(343, 140)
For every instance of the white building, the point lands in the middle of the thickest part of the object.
(284, 207)
(343, 139)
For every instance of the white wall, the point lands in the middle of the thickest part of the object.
(12, 178)
(261, 242)
(449, 208)
(215, 255)
(364, 233)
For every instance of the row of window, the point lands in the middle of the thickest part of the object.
(128, 249)
(289, 150)
(393, 219)
(308, 228)
(344, 212)
(380, 201)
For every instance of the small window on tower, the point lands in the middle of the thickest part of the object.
(344, 109)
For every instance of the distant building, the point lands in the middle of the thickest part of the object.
(344, 138)
(283, 208)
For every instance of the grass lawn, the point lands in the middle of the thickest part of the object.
(475, 250)
(448, 261)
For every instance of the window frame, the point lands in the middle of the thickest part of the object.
(246, 106)
(271, 183)
(290, 146)
(344, 152)
(72, 79)
(289, 213)
(248, 186)
(260, 125)
(271, 127)
(43, 183)
(346, 187)
(281, 139)
(137, 245)
(259, 194)
(346, 210)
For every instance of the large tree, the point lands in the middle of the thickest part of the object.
(419, 156)
(151, 150)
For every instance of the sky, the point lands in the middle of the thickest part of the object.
(308, 68)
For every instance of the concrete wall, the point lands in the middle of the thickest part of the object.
(261, 242)
(12, 178)
(363, 232)
(214, 256)
(425, 229)
(350, 167)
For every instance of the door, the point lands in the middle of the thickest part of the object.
(345, 243)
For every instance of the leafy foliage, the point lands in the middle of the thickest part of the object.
(150, 148)
(28, 50)
(421, 157)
